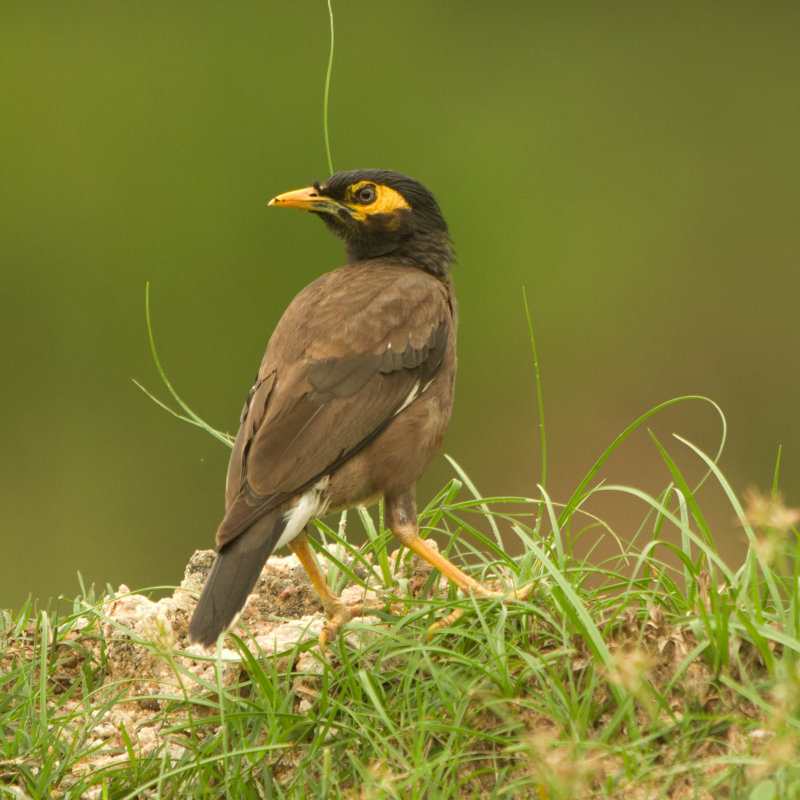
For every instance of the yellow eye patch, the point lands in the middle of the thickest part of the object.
(386, 201)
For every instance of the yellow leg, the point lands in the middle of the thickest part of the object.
(464, 582)
(402, 518)
(338, 613)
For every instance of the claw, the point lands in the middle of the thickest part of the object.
(444, 622)
(518, 594)
(523, 593)
(339, 615)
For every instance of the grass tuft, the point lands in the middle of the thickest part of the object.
(622, 679)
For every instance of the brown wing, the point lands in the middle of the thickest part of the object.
(350, 352)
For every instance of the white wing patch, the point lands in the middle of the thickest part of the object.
(415, 392)
(312, 504)
(410, 398)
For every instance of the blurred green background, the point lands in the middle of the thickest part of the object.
(635, 167)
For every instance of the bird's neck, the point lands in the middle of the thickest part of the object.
(432, 253)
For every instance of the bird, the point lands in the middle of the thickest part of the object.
(352, 398)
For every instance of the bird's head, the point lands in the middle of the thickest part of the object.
(379, 214)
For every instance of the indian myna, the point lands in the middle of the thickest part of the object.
(353, 395)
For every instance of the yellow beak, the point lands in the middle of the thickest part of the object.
(308, 199)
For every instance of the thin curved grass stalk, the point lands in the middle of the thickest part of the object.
(539, 398)
(188, 415)
(327, 94)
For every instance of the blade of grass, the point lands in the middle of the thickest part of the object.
(769, 576)
(578, 494)
(377, 542)
(465, 479)
(777, 471)
(44, 637)
(190, 417)
(699, 542)
(326, 95)
(539, 397)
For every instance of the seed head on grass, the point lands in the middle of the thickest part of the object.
(157, 630)
(773, 522)
(768, 511)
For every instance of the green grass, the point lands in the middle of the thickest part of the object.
(628, 678)
(657, 672)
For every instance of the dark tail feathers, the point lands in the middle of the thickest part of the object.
(232, 578)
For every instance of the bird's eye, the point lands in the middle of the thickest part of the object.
(366, 194)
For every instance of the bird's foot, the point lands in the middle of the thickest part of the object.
(517, 594)
(339, 614)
